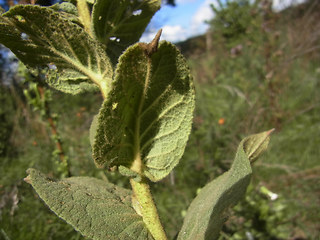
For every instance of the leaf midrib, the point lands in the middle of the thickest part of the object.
(99, 78)
(137, 164)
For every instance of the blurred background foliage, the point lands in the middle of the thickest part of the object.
(254, 70)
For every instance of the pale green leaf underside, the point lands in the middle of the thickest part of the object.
(41, 37)
(151, 119)
(119, 24)
(206, 213)
(97, 209)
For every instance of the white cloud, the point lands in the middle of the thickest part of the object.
(279, 5)
(148, 36)
(196, 24)
(170, 33)
(174, 33)
(204, 13)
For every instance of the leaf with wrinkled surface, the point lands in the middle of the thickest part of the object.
(42, 37)
(206, 213)
(120, 23)
(97, 209)
(148, 114)
(66, 7)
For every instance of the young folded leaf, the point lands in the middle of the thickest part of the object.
(97, 209)
(256, 144)
(44, 38)
(206, 213)
(146, 120)
(119, 24)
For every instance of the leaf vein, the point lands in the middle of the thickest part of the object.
(161, 115)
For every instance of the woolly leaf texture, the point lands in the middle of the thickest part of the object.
(148, 113)
(207, 212)
(97, 209)
(44, 38)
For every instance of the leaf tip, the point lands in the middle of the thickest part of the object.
(30, 172)
(152, 47)
(27, 179)
(270, 131)
(257, 144)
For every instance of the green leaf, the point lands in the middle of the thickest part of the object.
(207, 212)
(97, 209)
(145, 123)
(256, 145)
(93, 129)
(42, 37)
(67, 8)
(119, 24)
(129, 173)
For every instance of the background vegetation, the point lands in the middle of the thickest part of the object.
(254, 70)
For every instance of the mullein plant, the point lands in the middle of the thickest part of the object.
(143, 124)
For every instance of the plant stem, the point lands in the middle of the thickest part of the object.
(84, 15)
(149, 211)
(54, 131)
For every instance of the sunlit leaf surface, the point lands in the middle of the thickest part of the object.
(207, 212)
(97, 209)
(44, 38)
(148, 114)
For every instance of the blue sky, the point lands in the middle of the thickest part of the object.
(187, 19)
(180, 22)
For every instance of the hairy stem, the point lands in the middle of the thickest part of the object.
(149, 211)
(54, 132)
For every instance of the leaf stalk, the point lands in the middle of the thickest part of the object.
(149, 211)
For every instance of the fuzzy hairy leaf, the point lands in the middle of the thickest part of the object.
(206, 213)
(68, 9)
(120, 23)
(42, 37)
(97, 209)
(148, 114)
